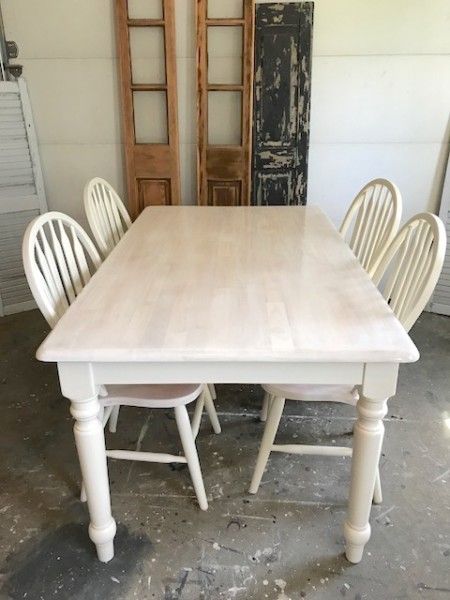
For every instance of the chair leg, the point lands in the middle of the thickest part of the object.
(197, 418)
(377, 493)
(83, 497)
(211, 409)
(114, 418)
(190, 452)
(102, 391)
(212, 391)
(265, 407)
(270, 431)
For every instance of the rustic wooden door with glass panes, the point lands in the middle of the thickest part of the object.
(148, 80)
(283, 41)
(224, 78)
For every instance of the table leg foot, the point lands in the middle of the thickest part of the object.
(104, 540)
(356, 539)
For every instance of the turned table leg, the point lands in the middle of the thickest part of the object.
(379, 384)
(77, 384)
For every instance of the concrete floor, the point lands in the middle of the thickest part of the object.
(284, 543)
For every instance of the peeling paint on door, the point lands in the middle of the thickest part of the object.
(282, 93)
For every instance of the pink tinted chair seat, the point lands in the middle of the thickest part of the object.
(345, 394)
(152, 396)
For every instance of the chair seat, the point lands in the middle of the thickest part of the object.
(345, 394)
(152, 396)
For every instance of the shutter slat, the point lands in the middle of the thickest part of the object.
(22, 196)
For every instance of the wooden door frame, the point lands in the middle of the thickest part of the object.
(150, 162)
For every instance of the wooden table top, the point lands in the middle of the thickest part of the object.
(230, 284)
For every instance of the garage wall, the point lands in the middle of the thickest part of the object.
(380, 100)
(380, 96)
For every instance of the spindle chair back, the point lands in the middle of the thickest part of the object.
(372, 221)
(59, 259)
(409, 269)
(107, 216)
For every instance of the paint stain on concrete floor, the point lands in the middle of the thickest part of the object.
(62, 564)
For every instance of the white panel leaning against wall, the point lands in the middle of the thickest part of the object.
(440, 302)
(22, 194)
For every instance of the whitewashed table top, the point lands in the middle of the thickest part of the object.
(230, 284)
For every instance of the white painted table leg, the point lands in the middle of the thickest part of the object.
(104, 415)
(379, 384)
(77, 384)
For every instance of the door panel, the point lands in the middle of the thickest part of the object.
(224, 193)
(224, 80)
(283, 40)
(153, 192)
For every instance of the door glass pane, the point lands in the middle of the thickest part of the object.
(225, 54)
(145, 9)
(225, 9)
(224, 118)
(150, 117)
(147, 55)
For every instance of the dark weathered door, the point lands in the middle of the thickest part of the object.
(283, 41)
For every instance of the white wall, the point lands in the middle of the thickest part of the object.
(380, 100)
(380, 96)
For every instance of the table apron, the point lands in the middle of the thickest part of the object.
(228, 372)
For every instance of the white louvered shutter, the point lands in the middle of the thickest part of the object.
(22, 195)
(440, 302)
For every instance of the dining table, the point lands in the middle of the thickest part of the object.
(231, 295)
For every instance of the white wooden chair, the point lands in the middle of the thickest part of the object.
(109, 220)
(407, 273)
(372, 221)
(107, 216)
(59, 259)
(369, 226)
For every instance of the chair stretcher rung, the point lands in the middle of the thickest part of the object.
(312, 450)
(159, 457)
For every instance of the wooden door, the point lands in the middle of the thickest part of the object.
(148, 81)
(283, 43)
(224, 104)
